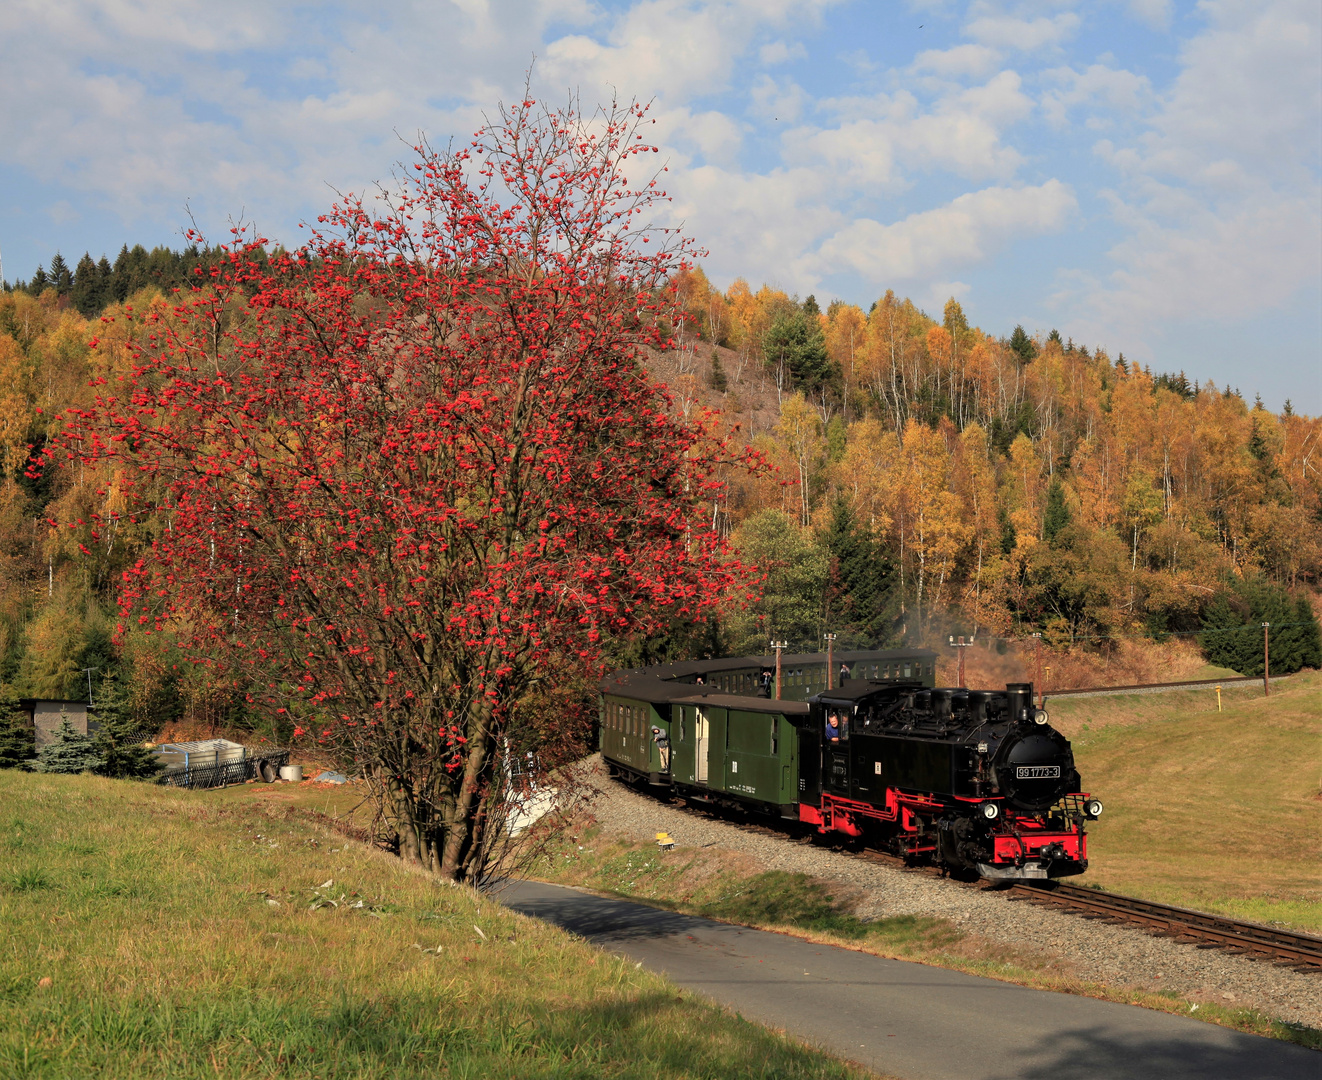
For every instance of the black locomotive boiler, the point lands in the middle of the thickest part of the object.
(973, 780)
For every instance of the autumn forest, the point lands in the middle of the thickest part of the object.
(928, 478)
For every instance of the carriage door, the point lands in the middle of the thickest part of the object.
(700, 732)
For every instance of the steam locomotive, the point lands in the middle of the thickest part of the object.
(976, 781)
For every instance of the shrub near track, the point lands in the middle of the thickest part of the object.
(1219, 811)
(187, 936)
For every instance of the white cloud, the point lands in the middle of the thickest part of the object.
(965, 231)
(777, 52)
(886, 139)
(778, 100)
(962, 60)
(1155, 13)
(1221, 206)
(1097, 86)
(676, 48)
(1027, 35)
(1213, 264)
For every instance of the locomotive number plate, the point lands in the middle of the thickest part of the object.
(1037, 772)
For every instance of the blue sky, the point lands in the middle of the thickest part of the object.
(1145, 175)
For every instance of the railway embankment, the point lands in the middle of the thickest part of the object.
(976, 929)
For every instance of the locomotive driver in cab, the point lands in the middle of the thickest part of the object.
(836, 726)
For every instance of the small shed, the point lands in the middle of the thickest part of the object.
(47, 714)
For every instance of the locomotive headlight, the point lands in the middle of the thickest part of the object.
(1093, 808)
(991, 811)
(1040, 716)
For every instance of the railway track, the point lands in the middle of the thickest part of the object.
(1302, 952)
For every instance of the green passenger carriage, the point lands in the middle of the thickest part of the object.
(715, 728)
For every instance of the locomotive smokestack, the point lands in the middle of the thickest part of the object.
(1020, 695)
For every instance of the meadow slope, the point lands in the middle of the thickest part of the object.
(1220, 811)
(156, 933)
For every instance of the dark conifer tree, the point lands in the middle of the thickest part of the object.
(1057, 515)
(1249, 602)
(17, 743)
(60, 275)
(40, 282)
(119, 280)
(719, 380)
(796, 340)
(860, 601)
(119, 742)
(86, 293)
(1022, 345)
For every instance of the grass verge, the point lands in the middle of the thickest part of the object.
(156, 933)
(732, 887)
(1219, 811)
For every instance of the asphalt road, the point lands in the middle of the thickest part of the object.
(911, 1020)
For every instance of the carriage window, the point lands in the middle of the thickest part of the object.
(775, 734)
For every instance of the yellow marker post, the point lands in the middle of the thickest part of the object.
(664, 842)
(1218, 699)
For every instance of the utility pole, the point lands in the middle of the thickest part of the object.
(778, 645)
(1041, 696)
(960, 644)
(830, 658)
(1266, 661)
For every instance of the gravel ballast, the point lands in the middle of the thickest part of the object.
(1089, 950)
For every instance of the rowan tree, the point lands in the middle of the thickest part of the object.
(410, 477)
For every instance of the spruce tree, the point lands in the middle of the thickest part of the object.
(1057, 515)
(71, 752)
(119, 276)
(1248, 603)
(859, 597)
(17, 738)
(118, 742)
(1022, 345)
(86, 292)
(719, 381)
(61, 277)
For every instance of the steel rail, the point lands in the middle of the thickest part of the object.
(1255, 940)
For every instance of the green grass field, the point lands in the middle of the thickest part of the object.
(1220, 811)
(156, 933)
